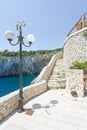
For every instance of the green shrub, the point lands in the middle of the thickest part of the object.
(85, 34)
(48, 88)
(7, 53)
(80, 65)
(61, 87)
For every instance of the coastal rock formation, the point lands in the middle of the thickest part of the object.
(31, 65)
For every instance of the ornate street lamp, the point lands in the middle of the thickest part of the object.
(30, 38)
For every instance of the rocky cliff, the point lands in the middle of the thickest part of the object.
(9, 66)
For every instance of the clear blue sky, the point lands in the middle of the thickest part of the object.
(48, 20)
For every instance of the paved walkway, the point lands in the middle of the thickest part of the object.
(53, 110)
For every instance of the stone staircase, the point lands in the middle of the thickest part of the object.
(57, 78)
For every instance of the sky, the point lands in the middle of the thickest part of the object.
(48, 20)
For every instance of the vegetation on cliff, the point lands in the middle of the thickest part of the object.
(7, 53)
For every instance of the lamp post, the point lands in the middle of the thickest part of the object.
(30, 38)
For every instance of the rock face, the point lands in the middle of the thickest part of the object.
(31, 65)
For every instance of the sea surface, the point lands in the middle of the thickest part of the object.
(10, 84)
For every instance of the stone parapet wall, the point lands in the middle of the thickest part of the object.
(75, 48)
(9, 103)
(75, 81)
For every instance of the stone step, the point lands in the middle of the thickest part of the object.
(54, 76)
(62, 74)
(57, 76)
(52, 81)
(58, 68)
(58, 72)
(56, 84)
(53, 84)
(56, 80)
(58, 65)
(59, 61)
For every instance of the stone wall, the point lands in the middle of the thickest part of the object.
(9, 103)
(75, 81)
(75, 48)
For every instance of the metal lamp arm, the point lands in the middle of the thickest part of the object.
(29, 44)
(13, 44)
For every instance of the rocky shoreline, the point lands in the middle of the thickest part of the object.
(9, 66)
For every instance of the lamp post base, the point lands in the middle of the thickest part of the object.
(20, 110)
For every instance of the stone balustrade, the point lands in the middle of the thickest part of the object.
(9, 103)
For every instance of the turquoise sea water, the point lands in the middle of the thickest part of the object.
(10, 84)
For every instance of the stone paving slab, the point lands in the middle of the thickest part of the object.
(53, 110)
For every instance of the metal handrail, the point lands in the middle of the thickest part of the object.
(80, 21)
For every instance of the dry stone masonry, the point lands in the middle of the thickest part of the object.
(74, 81)
(75, 48)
